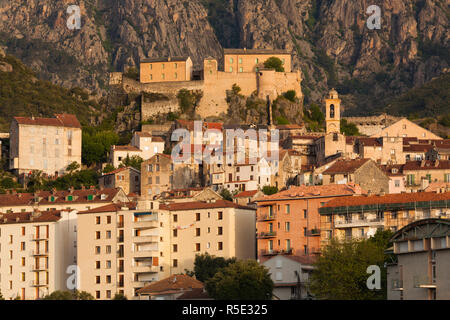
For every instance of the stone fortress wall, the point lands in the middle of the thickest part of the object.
(371, 126)
(263, 82)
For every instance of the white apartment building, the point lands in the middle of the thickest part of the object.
(46, 144)
(36, 250)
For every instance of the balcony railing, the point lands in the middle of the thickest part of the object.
(38, 283)
(423, 282)
(145, 269)
(267, 217)
(39, 253)
(276, 252)
(265, 235)
(38, 237)
(313, 233)
(38, 268)
(358, 223)
(148, 224)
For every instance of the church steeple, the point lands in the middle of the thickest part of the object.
(333, 112)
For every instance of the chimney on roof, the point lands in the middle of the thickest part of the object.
(83, 187)
(436, 164)
(422, 163)
(17, 219)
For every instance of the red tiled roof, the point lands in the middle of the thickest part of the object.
(417, 147)
(172, 284)
(387, 199)
(189, 125)
(43, 197)
(157, 139)
(126, 148)
(120, 170)
(112, 207)
(370, 142)
(345, 166)
(196, 205)
(437, 186)
(25, 217)
(246, 194)
(427, 165)
(314, 191)
(60, 120)
(143, 134)
(194, 294)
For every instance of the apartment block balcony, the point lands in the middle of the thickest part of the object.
(145, 239)
(267, 217)
(422, 281)
(313, 233)
(38, 283)
(276, 252)
(266, 235)
(38, 237)
(39, 268)
(149, 224)
(358, 223)
(39, 253)
(397, 285)
(146, 254)
(145, 269)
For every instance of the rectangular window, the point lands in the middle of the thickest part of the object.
(197, 247)
(197, 216)
(97, 220)
(220, 215)
(197, 232)
(288, 208)
(175, 263)
(175, 248)
(288, 226)
(220, 246)
(219, 231)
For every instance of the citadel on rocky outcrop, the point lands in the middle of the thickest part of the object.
(165, 77)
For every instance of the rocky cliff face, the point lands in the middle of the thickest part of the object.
(329, 39)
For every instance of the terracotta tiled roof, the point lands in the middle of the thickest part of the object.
(43, 197)
(246, 194)
(60, 120)
(345, 166)
(196, 205)
(305, 137)
(25, 217)
(393, 170)
(112, 207)
(172, 284)
(126, 148)
(194, 294)
(417, 147)
(370, 142)
(426, 165)
(189, 125)
(314, 191)
(120, 170)
(143, 134)
(302, 259)
(157, 139)
(387, 199)
(437, 186)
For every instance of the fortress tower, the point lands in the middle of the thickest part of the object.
(333, 112)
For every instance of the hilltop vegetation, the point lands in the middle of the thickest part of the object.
(22, 94)
(430, 100)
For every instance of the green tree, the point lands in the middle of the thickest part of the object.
(206, 266)
(226, 194)
(290, 95)
(74, 166)
(242, 280)
(69, 295)
(120, 296)
(133, 161)
(35, 180)
(274, 63)
(108, 168)
(341, 271)
(269, 190)
(132, 73)
(349, 129)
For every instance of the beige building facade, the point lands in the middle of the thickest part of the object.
(168, 69)
(46, 144)
(36, 250)
(128, 179)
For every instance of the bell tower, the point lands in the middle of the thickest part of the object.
(333, 112)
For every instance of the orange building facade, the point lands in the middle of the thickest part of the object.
(289, 222)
